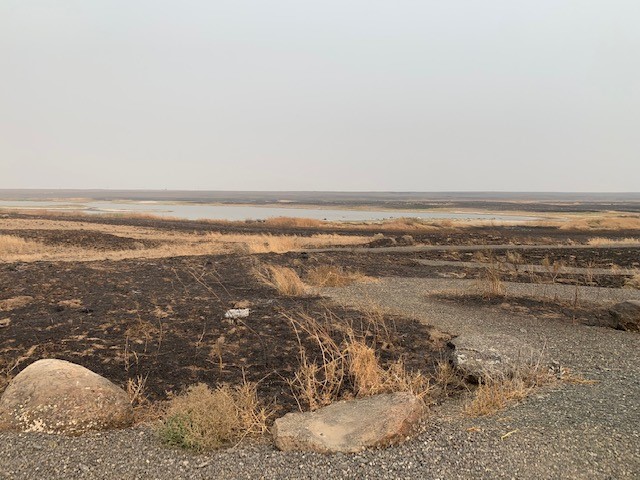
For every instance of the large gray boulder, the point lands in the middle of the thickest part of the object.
(55, 396)
(350, 426)
(481, 357)
(626, 315)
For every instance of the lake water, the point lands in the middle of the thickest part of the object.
(242, 212)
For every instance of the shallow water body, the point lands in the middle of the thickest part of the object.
(245, 212)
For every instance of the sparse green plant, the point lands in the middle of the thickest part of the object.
(203, 418)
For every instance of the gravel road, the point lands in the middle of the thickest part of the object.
(570, 431)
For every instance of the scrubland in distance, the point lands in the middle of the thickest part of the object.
(614, 241)
(166, 243)
(266, 243)
(602, 222)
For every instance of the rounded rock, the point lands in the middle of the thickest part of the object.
(56, 396)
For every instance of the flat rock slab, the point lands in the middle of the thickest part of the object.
(55, 396)
(350, 426)
(480, 357)
(626, 315)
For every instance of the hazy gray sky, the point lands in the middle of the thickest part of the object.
(321, 95)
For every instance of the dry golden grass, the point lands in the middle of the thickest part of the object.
(267, 243)
(633, 282)
(498, 393)
(371, 378)
(614, 241)
(334, 276)
(603, 222)
(172, 244)
(283, 279)
(12, 303)
(136, 388)
(10, 364)
(447, 379)
(294, 222)
(348, 367)
(204, 419)
(12, 245)
(489, 282)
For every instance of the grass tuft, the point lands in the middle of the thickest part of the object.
(334, 276)
(283, 279)
(204, 419)
(346, 367)
(495, 394)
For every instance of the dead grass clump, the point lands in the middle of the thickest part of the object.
(14, 302)
(613, 241)
(334, 276)
(371, 378)
(447, 379)
(294, 222)
(136, 388)
(633, 282)
(74, 303)
(489, 282)
(347, 367)
(410, 223)
(204, 419)
(12, 245)
(607, 222)
(268, 243)
(495, 394)
(283, 279)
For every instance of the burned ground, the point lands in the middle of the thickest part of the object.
(164, 320)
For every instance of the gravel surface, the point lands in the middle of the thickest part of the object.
(570, 431)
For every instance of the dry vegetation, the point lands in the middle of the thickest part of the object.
(334, 276)
(602, 222)
(152, 243)
(489, 282)
(283, 279)
(203, 418)
(498, 393)
(11, 246)
(267, 243)
(349, 366)
(633, 282)
(614, 241)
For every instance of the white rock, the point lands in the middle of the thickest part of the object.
(237, 313)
